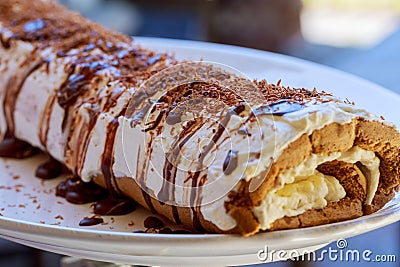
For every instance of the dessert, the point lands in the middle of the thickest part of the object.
(201, 145)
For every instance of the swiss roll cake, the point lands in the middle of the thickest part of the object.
(198, 143)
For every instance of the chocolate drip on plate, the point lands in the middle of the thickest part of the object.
(76, 191)
(50, 169)
(44, 126)
(113, 206)
(12, 147)
(91, 221)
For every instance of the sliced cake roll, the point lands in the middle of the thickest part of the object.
(201, 145)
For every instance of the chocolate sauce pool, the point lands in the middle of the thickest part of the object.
(12, 147)
(114, 206)
(74, 190)
(91, 221)
(50, 169)
(155, 225)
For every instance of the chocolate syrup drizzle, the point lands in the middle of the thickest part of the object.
(172, 159)
(44, 126)
(170, 169)
(12, 90)
(237, 110)
(197, 181)
(84, 136)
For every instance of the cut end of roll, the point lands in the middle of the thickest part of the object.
(337, 173)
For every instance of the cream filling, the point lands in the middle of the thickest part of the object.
(303, 187)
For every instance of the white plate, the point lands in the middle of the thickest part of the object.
(32, 215)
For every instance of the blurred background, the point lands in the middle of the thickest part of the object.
(337, 33)
(357, 36)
